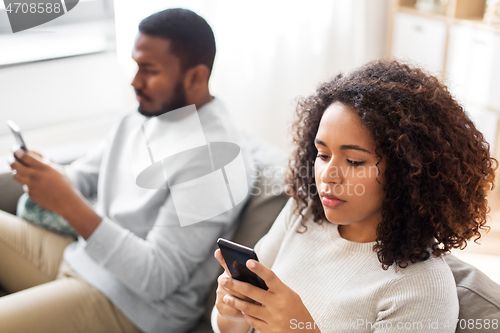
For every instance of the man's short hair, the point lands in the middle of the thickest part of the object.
(192, 39)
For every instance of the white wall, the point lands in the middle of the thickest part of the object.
(271, 52)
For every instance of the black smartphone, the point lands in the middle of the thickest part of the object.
(17, 134)
(236, 256)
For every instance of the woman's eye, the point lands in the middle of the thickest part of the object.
(323, 157)
(355, 163)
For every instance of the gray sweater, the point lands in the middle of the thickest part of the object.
(157, 272)
(344, 287)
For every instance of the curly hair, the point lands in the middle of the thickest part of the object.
(439, 169)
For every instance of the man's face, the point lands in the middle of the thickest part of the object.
(159, 82)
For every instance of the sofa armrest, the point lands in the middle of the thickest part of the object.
(10, 191)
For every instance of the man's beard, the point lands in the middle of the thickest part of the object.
(178, 101)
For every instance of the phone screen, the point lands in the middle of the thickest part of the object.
(236, 256)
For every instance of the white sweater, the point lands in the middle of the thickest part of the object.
(157, 272)
(344, 287)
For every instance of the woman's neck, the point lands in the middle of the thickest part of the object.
(358, 232)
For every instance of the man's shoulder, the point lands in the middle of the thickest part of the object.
(217, 122)
(128, 121)
(131, 116)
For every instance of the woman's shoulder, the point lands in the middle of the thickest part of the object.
(424, 290)
(425, 267)
(431, 274)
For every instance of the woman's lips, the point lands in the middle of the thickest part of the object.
(330, 200)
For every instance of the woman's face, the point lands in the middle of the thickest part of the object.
(349, 182)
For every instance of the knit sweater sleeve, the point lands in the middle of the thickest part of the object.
(84, 171)
(267, 247)
(403, 305)
(159, 264)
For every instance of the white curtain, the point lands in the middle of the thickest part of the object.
(271, 52)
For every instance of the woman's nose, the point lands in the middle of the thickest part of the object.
(331, 173)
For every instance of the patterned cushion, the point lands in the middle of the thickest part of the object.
(28, 210)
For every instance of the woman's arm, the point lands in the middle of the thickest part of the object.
(421, 302)
(230, 326)
(268, 246)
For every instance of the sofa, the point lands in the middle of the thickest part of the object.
(479, 296)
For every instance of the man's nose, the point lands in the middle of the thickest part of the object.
(137, 82)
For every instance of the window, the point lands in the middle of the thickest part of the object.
(87, 28)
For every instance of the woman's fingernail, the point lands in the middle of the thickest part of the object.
(223, 281)
(14, 172)
(227, 299)
(251, 264)
(19, 153)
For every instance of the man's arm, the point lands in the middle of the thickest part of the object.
(157, 266)
(153, 267)
(84, 171)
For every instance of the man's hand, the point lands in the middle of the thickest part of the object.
(47, 185)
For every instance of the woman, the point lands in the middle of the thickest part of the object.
(400, 178)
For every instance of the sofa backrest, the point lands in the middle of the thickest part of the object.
(268, 195)
(267, 199)
(478, 296)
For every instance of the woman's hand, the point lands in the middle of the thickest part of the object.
(224, 309)
(274, 310)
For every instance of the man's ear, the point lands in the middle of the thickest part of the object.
(197, 77)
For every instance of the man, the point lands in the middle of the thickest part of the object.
(133, 268)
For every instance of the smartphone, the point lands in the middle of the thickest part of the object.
(236, 256)
(17, 134)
